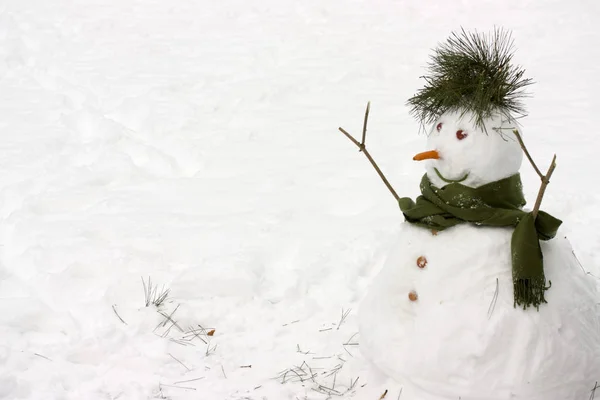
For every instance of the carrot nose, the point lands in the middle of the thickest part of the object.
(426, 155)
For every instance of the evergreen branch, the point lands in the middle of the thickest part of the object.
(363, 148)
(472, 72)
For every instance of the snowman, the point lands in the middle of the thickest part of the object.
(478, 299)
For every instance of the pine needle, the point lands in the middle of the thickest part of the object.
(174, 358)
(472, 72)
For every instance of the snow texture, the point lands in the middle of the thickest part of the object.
(463, 338)
(196, 143)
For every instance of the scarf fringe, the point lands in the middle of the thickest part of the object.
(530, 292)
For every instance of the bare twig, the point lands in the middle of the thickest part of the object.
(545, 182)
(174, 358)
(117, 314)
(362, 147)
(593, 393)
(520, 139)
(224, 374)
(364, 132)
(383, 395)
(545, 178)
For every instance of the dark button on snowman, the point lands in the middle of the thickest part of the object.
(502, 310)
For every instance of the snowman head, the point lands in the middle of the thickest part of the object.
(463, 151)
(471, 97)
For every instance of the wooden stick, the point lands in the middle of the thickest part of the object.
(545, 182)
(545, 178)
(364, 133)
(520, 139)
(363, 148)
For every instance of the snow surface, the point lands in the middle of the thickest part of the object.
(196, 143)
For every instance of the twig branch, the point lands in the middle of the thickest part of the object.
(520, 139)
(364, 133)
(593, 393)
(545, 182)
(545, 178)
(363, 148)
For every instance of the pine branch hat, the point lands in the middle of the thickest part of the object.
(472, 72)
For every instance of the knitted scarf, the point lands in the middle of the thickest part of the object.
(494, 204)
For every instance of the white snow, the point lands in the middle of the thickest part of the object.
(196, 143)
(463, 338)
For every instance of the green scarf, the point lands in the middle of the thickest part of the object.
(494, 204)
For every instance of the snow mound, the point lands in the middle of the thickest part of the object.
(463, 338)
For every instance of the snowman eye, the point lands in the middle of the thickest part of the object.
(460, 135)
(439, 127)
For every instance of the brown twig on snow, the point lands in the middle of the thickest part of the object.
(363, 148)
(545, 178)
(520, 139)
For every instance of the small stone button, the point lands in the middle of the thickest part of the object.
(421, 262)
(413, 296)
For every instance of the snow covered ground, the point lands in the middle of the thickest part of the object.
(196, 143)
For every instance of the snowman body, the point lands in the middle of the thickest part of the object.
(462, 337)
